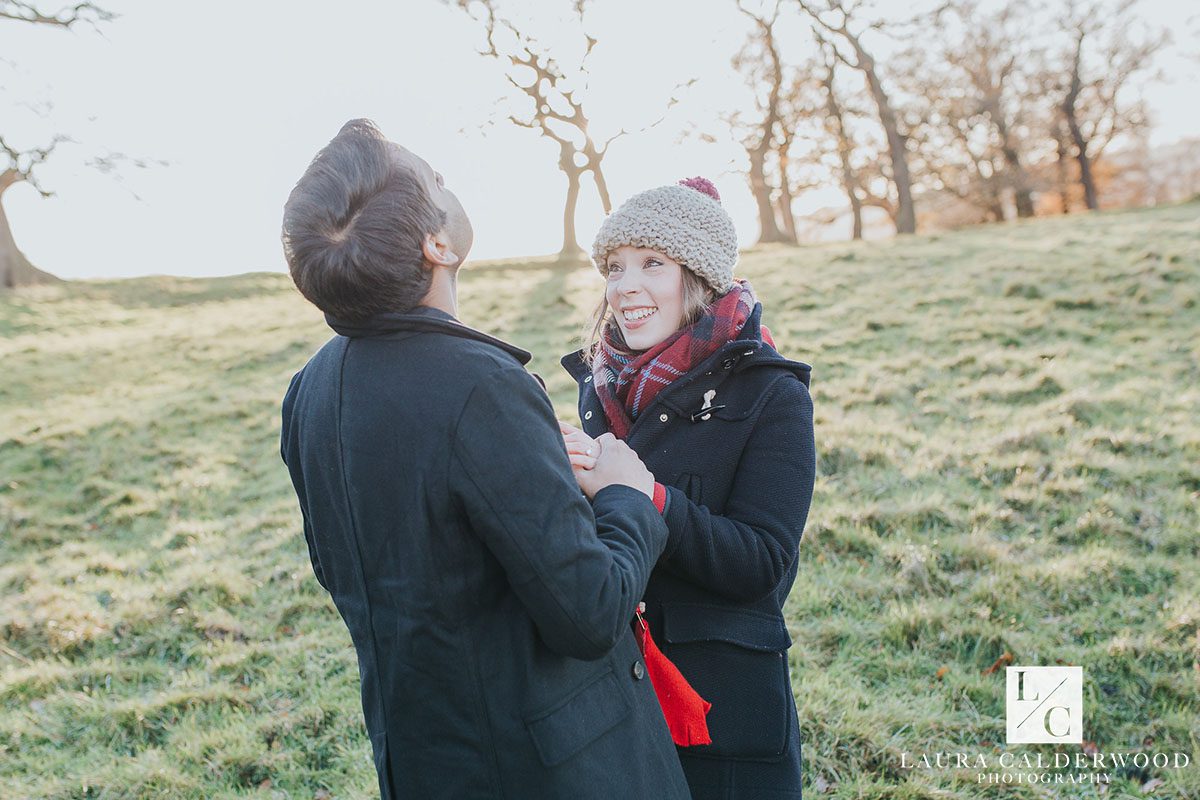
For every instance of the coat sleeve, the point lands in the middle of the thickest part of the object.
(578, 569)
(286, 445)
(744, 553)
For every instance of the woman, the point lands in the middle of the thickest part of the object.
(681, 368)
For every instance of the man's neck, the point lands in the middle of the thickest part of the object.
(443, 291)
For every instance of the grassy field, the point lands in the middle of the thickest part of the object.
(1009, 462)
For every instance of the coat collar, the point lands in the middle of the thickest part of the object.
(420, 319)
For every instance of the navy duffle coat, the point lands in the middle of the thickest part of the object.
(739, 478)
(489, 603)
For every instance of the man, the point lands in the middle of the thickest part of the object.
(489, 603)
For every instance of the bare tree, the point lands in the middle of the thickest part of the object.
(836, 19)
(969, 167)
(988, 50)
(1103, 53)
(816, 144)
(17, 165)
(556, 107)
(954, 148)
(759, 61)
(837, 127)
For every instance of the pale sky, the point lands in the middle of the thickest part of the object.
(238, 96)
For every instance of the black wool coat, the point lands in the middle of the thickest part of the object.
(739, 480)
(489, 603)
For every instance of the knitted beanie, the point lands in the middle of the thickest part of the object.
(684, 222)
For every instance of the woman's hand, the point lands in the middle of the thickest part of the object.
(582, 449)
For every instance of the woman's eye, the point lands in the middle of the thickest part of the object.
(653, 263)
(613, 268)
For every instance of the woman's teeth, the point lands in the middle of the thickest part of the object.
(640, 313)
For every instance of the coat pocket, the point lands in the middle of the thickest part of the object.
(737, 660)
(573, 724)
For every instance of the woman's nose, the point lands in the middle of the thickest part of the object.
(630, 283)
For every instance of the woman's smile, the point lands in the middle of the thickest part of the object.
(636, 317)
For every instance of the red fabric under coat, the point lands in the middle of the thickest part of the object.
(683, 708)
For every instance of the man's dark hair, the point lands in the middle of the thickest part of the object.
(354, 225)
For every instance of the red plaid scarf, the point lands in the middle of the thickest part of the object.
(628, 382)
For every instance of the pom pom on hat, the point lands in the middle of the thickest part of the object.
(702, 185)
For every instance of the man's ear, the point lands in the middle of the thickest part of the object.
(437, 252)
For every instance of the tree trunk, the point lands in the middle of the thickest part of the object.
(1020, 182)
(783, 203)
(768, 228)
(850, 187)
(996, 209)
(856, 209)
(1060, 170)
(1024, 199)
(906, 217)
(571, 251)
(845, 148)
(1077, 137)
(1085, 164)
(785, 195)
(15, 269)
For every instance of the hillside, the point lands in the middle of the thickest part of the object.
(1009, 461)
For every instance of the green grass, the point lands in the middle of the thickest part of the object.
(1009, 460)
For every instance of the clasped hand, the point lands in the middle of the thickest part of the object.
(604, 461)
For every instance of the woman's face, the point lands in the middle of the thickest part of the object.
(645, 291)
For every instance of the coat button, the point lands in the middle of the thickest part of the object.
(663, 417)
(588, 415)
(588, 379)
(728, 363)
(638, 670)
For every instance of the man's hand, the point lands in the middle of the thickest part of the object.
(617, 463)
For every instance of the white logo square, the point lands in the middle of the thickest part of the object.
(1044, 705)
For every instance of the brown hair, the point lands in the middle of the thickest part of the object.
(697, 297)
(354, 225)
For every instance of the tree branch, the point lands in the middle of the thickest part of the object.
(21, 163)
(81, 13)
